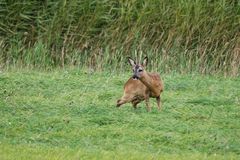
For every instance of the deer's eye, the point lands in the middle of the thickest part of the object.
(140, 70)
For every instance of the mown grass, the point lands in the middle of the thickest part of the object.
(71, 114)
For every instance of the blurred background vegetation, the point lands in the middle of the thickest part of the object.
(178, 35)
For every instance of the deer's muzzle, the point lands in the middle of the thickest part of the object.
(135, 77)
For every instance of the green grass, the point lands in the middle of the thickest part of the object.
(71, 114)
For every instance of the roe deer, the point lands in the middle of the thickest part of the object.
(141, 86)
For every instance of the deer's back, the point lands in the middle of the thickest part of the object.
(134, 86)
(137, 88)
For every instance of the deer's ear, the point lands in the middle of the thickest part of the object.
(145, 61)
(131, 61)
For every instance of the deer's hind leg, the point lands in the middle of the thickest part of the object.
(123, 100)
(135, 103)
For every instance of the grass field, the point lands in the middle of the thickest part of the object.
(71, 114)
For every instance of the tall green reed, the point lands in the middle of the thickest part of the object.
(184, 35)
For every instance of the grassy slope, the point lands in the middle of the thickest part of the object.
(71, 114)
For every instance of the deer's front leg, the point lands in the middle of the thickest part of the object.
(147, 104)
(159, 102)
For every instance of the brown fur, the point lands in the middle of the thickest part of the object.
(135, 91)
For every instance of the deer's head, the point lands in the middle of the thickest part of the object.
(138, 69)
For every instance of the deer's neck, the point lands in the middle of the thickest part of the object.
(147, 80)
